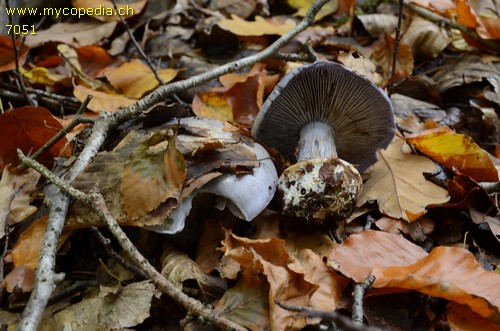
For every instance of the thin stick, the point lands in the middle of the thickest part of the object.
(74, 122)
(19, 77)
(137, 46)
(59, 202)
(396, 47)
(359, 294)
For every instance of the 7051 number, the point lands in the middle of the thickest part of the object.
(20, 29)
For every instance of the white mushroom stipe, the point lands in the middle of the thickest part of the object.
(317, 140)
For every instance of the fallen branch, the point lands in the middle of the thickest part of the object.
(359, 295)
(59, 202)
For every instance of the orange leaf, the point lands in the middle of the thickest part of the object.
(21, 278)
(451, 273)
(7, 55)
(27, 250)
(360, 253)
(457, 152)
(29, 128)
(259, 27)
(465, 15)
(134, 78)
(94, 60)
(213, 104)
(383, 56)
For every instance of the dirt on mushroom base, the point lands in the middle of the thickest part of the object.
(317, 189)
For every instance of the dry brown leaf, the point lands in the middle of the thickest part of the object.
(361, 66)
(399, 187)
(178, 268)
(359, 254)
(383, 56)
(20, 278)
(451, 273)
(457, 152)
(77, 34)
(295, 274)
(153, 173)
(16, 189)
(134, 78)
(425, 38)
(102, 101)
(213, 104)
(94, 60)
(7, 55)
(460, 318)
(26, 251)
(379, 24)
(29, 128)
(259, 27)
(303, 6)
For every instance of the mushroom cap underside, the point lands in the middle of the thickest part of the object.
(360, 113)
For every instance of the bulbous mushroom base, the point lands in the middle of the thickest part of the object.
(319, 189)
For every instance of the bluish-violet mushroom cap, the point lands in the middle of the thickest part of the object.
(359, 112)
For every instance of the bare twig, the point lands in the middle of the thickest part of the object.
(17, 72)
(359, 294)
(59, 202)
(74, 122)
(106, 242)
(397, 40)
(443, 21)
(96, 201)
(137, 46)
(341, 322)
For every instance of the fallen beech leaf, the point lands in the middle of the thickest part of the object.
(7, 55)
(213, 104)
(451, 273)
(125, 309)
(461, 318)
(259, 27)
(102, 101)
(473, 14)
(43, 76)
(20, 277)
(26, 251)
(303, 6)
(94, 60)
(81, 33)
(398, 186)
(104, 11)
(383, 56)
(359, 254)
(16, 189)
(153, 173)
(247, 303)
(457, 152)
(134, 78)
(29, 128)
(378, 24)
(425, 38)
(178, 268)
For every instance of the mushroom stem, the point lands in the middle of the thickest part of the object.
(317, 140)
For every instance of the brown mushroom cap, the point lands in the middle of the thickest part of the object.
(360, 113)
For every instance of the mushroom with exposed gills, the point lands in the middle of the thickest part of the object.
(329, 120)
